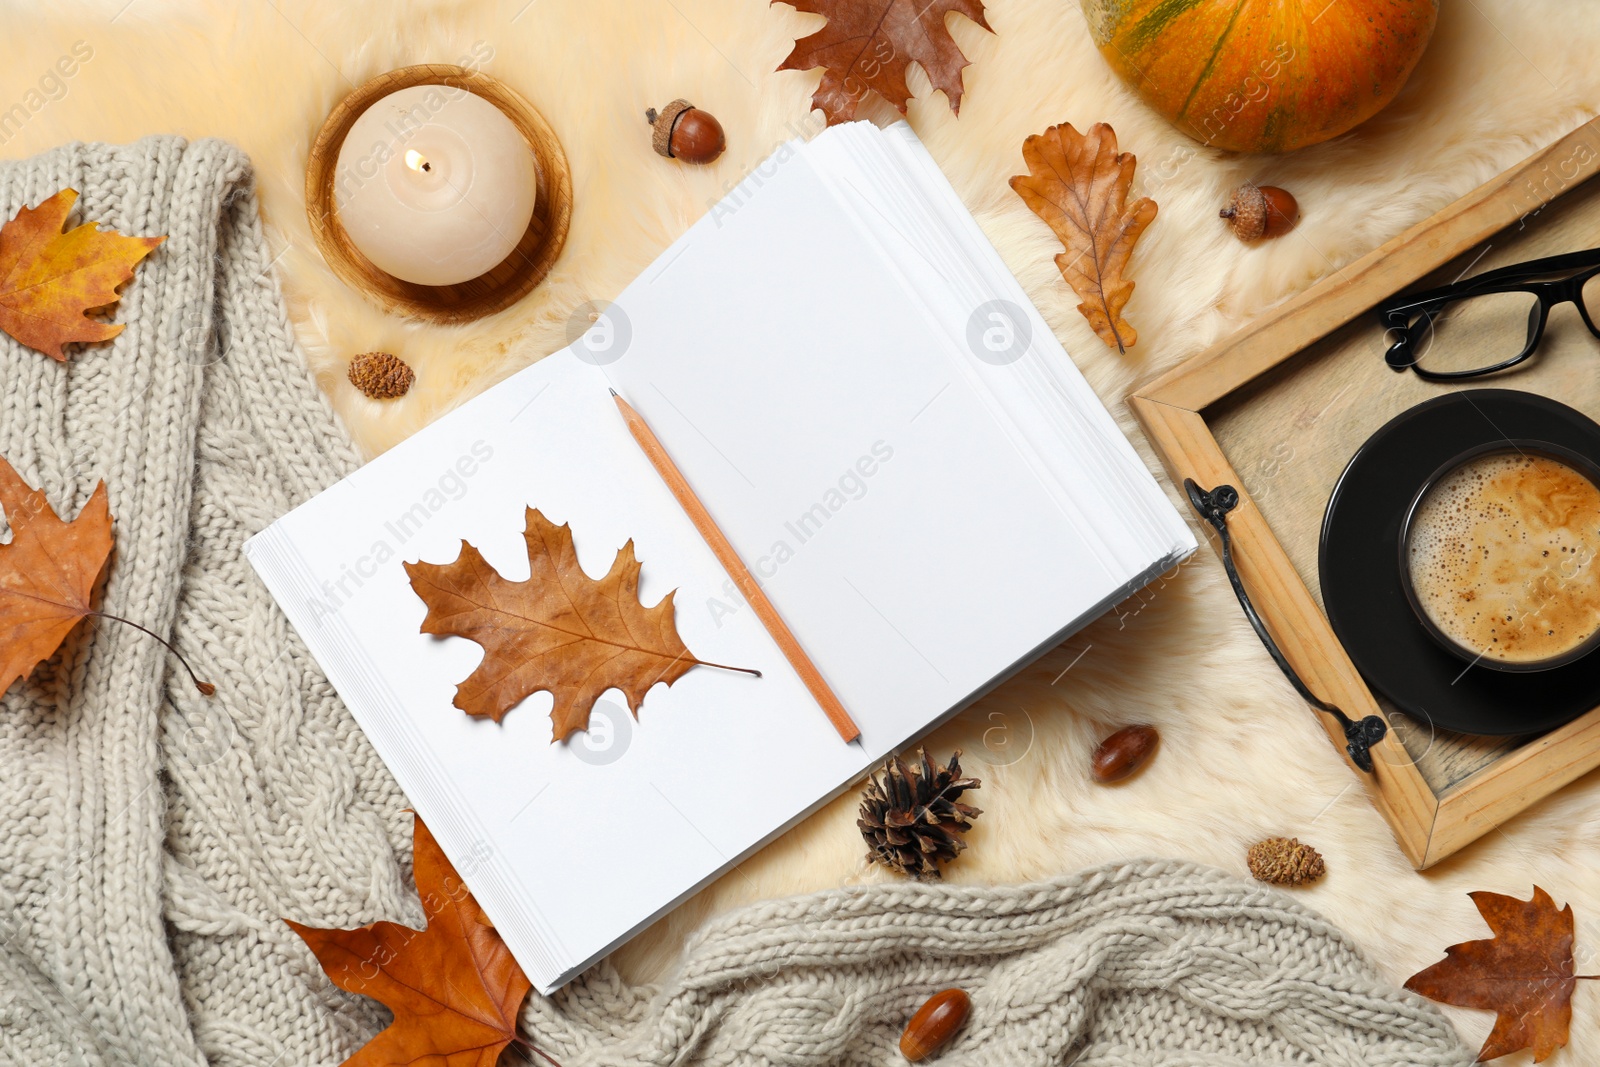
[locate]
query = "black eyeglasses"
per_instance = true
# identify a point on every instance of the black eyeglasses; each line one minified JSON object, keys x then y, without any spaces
{"x":1488,"y":323}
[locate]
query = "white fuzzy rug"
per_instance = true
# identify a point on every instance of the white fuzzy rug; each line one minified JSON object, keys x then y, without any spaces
{"x":1242,"y":757}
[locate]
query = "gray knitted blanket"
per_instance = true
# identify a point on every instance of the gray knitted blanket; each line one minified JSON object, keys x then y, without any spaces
{"x":151,"y":839}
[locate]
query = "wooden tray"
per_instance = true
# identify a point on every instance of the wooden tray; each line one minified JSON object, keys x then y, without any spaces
{"x":1278,"y":409}
{"x":515,"y":276}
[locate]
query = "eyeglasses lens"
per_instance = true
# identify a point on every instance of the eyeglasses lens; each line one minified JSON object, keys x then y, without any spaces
{"x":1476,"y":333}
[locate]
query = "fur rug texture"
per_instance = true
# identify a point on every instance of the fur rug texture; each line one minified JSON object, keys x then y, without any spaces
{"x":1242,"y":756}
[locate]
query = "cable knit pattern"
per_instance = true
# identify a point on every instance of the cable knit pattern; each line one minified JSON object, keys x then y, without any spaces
{"x":1153,"y":963}
{"x":151,"y":839}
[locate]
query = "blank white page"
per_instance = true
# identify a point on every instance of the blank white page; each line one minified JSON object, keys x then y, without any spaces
{"x":890,"y":184}
{"x":830,"y":429}
{"x":548,"y":836}
{"x":920,"y":537}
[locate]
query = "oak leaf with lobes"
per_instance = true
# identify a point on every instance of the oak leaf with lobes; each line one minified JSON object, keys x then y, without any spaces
{"x":560,"y":631}
{"x":867,"y":45}
{"x":47,"y":573}
{"x":454,"y":987}
{"x":1524,"y":974}
{"x":1078,"y":183}
{"x":50,"y":280}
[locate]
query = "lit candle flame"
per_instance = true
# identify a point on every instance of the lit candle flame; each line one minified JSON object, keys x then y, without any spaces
{"x":417,"y":161}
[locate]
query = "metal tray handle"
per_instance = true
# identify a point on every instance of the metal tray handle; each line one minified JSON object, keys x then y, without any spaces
{"x":1213,"y":506}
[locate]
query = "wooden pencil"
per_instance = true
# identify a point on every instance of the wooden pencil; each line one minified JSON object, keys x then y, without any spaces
{"x":736,"y":569}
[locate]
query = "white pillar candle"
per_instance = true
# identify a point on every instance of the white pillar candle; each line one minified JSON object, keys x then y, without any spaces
{"x":435,"y":185}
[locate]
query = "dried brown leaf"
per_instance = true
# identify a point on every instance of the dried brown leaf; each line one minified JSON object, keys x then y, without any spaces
{"x":1078,"y":183}
{"x":867,"y":46}
{"x":1524,"y":974}
{"x":47,"y":572}
{"x":454,"y":987}
{"x":560,"y":631}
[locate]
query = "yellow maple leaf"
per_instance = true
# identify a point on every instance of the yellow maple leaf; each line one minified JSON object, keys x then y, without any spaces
{"x":49,"y":280}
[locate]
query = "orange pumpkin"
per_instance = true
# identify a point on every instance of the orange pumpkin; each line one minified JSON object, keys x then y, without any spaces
{"x":1263,"y":75}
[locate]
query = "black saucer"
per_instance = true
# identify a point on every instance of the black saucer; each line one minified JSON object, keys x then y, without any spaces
{"x":1359,"y":567}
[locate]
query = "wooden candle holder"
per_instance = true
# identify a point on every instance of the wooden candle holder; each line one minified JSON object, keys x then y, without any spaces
{"x":515,"y":276}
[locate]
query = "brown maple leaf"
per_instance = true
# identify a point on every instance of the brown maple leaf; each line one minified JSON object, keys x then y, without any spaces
{"x":47,"y":572}
{"x":454,"y":987}
{"x":1078,"y":183}
{"x":560,"y":631}
{"x":1524,"y":974}
{"x":867,"y":45}
{"x":50,"y":279}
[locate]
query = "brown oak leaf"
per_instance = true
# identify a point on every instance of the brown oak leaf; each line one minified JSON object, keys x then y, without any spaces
{"x":1524,"y":974}
{"x":1078,"y":183}
{"x":867,"y":45}
{"x":454,"y":987}
{"x":560,"y":631}
{"x":49,"y":280}
{"x":47,"y":572}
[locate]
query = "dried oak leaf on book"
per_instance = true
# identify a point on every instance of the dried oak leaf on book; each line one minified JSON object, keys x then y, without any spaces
{"x":868,"y":45}
{"x":454,"y":987}
{"x":560,"y":631}
{"x":1524,"y":974}
{"x":50,"y":280}
{"x":47,"y":573}
{"x":1078,"y":183}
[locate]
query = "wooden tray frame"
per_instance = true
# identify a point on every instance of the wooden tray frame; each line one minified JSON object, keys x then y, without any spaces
{"x":1171,"y":408}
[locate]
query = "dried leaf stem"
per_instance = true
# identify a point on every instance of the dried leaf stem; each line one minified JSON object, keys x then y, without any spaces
{"x":205,"y":688}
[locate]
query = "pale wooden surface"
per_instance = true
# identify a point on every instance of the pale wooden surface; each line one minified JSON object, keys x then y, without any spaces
{"x":1278,"y":409}
{"x":515,"y":276}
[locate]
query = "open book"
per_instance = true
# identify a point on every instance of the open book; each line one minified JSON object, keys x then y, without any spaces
{"x":895,"y":444}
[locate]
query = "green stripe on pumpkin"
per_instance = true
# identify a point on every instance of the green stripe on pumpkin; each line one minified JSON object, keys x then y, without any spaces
{"x":1154,"y":24}
{"x":1211,"y":61}
{"x":1272,"y":130}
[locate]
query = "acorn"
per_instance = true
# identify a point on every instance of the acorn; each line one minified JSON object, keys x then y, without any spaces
{"x":934,"y":1024}
{"x":685,"y":132}
{"x":1257,"y":211}
{"x":1123,"y":752}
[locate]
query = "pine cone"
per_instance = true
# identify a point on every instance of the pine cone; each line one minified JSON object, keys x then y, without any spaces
{"x":381,"y":376}
{"x":912,"y":819}
{"x":1285,"y":861}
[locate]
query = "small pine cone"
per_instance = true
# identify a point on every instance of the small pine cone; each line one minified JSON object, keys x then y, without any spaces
{"x":381,"y":376}
{"x":1285,"y":861}
{"x":912,"y":818}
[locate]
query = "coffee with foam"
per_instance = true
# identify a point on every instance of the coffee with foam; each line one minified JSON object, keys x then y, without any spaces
{"x":1502,"y":553}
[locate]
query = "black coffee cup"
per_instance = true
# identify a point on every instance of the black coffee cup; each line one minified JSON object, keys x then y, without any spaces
{"x":1584,"y":466}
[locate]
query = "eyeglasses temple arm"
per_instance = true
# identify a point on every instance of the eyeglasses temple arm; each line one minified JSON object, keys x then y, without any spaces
{"x":1515,"y":272}
{"x":1213,"y":506}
